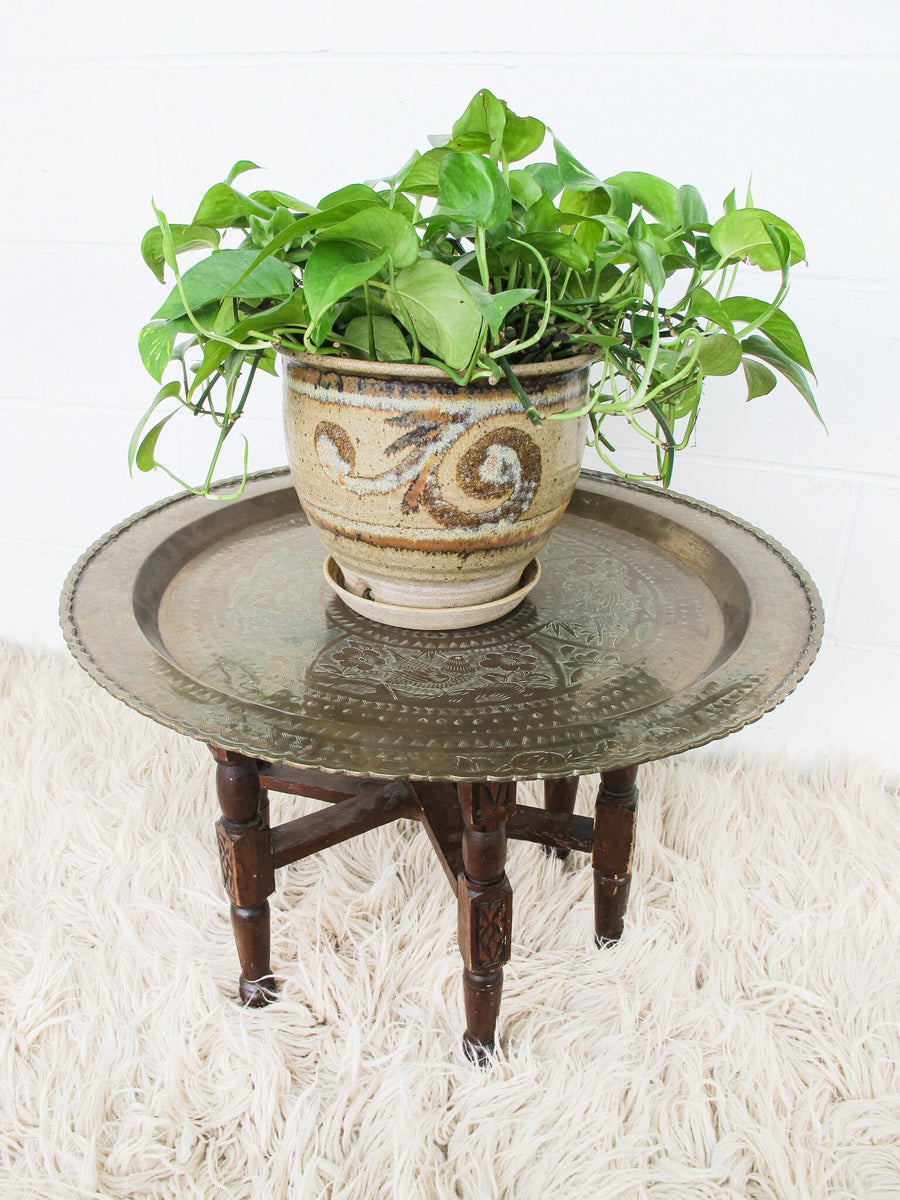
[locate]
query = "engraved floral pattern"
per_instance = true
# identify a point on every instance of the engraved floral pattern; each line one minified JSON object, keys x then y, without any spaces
{"x":567,"y":684}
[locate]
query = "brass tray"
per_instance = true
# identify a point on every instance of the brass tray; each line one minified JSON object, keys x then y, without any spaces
{"x":658,"y":624}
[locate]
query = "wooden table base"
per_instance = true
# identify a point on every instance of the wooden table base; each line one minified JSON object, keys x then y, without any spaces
{"x":468,"y":825}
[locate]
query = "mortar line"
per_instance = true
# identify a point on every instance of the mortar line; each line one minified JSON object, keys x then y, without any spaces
{"x":846,"y":543}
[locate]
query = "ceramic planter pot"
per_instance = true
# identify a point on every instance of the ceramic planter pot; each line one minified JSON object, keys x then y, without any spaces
{"x":427,"y":495}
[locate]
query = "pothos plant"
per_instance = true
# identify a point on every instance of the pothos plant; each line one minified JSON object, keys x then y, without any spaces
{"x":469,"y":263}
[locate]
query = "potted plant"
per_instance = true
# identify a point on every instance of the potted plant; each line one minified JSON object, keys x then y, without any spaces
{"x":453,"y":335}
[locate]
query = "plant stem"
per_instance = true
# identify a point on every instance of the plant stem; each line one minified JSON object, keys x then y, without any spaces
{"x":533,"y":415}
{"x":481,"y":256}
{"x":370,"y":327}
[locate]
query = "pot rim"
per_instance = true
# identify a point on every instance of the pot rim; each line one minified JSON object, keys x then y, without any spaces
{"x":416,"y":371}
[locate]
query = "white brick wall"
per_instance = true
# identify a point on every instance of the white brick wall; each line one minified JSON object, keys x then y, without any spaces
{"x":104,"y":106}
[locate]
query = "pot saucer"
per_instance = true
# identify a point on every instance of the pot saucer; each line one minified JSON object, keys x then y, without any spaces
{"x":402,"y":617}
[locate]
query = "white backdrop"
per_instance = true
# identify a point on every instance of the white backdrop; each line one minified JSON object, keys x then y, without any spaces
{"x":104,"y":106}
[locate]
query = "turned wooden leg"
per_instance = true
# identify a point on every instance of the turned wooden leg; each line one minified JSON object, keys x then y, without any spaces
{"x":248,"y":869}
{"x":559,"y":797}
{"x":614,"y":815}
{"x":485,"y":909}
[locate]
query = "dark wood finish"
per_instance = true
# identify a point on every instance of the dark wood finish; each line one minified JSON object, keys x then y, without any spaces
{"x":486,"y":806}
{"x":377,"y":804}
{"x":251,"y":927}
{"x":308,"y":781}
{"x":614,"y":814}
{"x":485,"y":910}
{"x":247,"y":863}
{"x":552,"y":830}
{"x":441,"y":816}
{"x":559,"y":797}
{"x":248,"y":869}
{"x":468,"y":825}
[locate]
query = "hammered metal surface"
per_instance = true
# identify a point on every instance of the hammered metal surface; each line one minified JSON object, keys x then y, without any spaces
{"x":658,"y":624}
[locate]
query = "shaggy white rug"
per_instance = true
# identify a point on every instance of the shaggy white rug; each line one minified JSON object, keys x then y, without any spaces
{"x":742,"y":1041}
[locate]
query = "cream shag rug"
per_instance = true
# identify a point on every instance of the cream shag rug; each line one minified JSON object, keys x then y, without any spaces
{"x":742,"y":1041}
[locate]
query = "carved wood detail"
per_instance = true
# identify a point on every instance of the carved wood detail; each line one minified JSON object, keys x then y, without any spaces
{"x":485,"y":925}
{"x":485,"y":909}
{"x":487,"y":805}
{"x":614,"y":816}
{"x":248,"y":868}
{"x":248,"y":865}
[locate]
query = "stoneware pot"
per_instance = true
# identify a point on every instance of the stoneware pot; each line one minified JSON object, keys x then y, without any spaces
{"x":427,"y":495}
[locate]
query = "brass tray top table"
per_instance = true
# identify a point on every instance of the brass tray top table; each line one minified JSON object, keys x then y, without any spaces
{"x":658,"y":624}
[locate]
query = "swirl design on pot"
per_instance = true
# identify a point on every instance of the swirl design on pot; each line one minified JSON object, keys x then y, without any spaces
{"x":503,"y":464}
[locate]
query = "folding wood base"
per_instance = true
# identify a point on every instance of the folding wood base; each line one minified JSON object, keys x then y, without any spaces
{"x":468,"y":825}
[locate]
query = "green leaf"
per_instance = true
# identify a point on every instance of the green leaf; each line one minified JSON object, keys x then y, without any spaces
{"x":720,"y":354}
{"x":393,"y":181}
{"x":390,"y":344}
{"x":334,"y":269}
{"x":145,"y":459}
{"x":707,"y":257}
{"x":691,"y":208}
{"x":761,"y":347}
{"x":313,"y":221}
{"x":184,"y":237}
{"x":617,"y":229}
{"x":472,"y":189}
{"x":682,"y":398}
{"x":292,"y":312}
{"x":486,"y":115}
{"x":543,"y":216}
{"x":778,"y":326}
{"x":522,"y":136}
{"x":401,"y":204}
{"x":422,"y":177}
{"x":350,"y":194}
{"x":742,"y":234}
{"x":274,"y":199}
{"x":656,"y":196}
{"x":239,"y":168}
{"x":547,"y":176}
{"x":523,"y":188}
{"x":443,"y":314}
{"x":705,"y":305}
{"x":561,"y":246}
{"x":164,"y":393}
{"x":495,"y":308}
{"x":214,"y":354}
{"x":378,"y":229}
{"x":572,"y":174}
{"x":607,"y":204}
{"x":222,"y":207}
{"x":760,"y":380}
{"x":782,"y":245}
{"x":155,"y":342}
{"x":478,"y":143}
{"x":642,"y":327}
{"x":590,"y":235}
{"x":600,"y":201}
{"x":184,"y":324}
{"x":649,"y":261}
{"x":282,"y":219}
{"x":215,"y":277}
